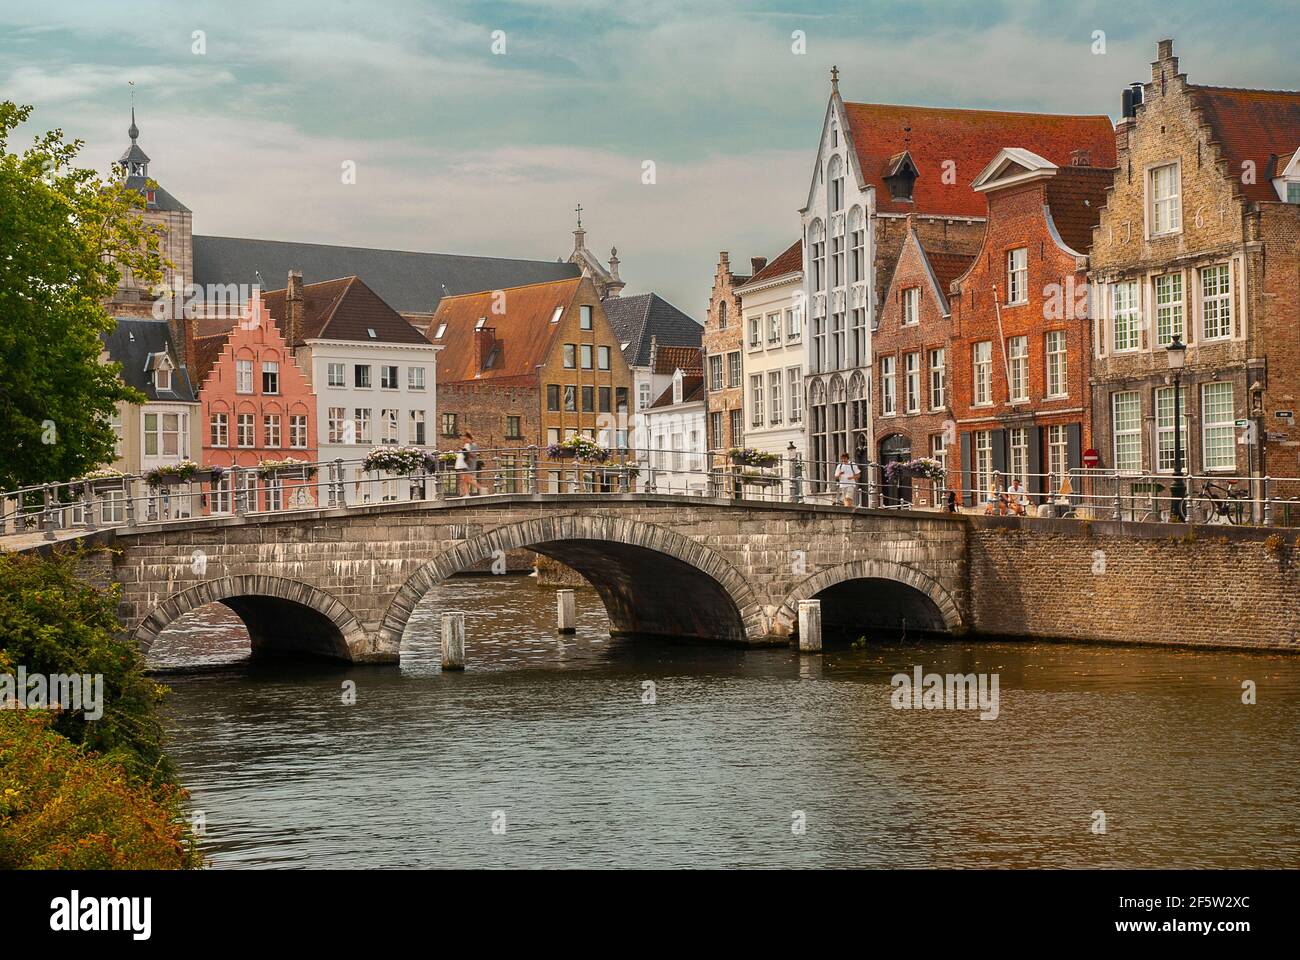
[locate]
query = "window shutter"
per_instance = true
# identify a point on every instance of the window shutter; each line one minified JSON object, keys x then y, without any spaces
{"x":967,"y":479}
{"x":1036,"y":459}
{"x":1000,"y":452}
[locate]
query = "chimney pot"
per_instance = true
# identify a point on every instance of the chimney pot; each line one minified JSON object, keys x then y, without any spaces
{"x":1079,"y":158}
{"x":757,"y":263}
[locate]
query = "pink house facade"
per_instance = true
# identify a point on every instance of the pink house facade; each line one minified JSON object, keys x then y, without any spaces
{"x":256,"y":406}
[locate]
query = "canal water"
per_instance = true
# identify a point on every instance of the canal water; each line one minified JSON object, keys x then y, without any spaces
{"x":592,"y":752}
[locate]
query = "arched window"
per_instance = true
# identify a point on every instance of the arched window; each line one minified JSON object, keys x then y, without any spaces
{"x":817,"y":428}
{"x":858,"y":401}
{"x":857,"y":246}
{"x":837,"y":430}
{"x":817,"y":254}
{"x":835,"y":180}
{"x":722,"y":314}
{"x":838,"y":277}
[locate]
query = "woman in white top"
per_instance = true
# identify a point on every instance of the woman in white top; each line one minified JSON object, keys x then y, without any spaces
{"x":846,"y":475}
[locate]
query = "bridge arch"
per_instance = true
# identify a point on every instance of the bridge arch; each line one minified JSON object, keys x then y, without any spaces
{"x":652,"y":580}
{"x":283,"y":617}
{"x":924,"y":602}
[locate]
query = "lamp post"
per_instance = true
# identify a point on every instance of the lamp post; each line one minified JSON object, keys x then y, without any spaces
{"x":1177,"y":354}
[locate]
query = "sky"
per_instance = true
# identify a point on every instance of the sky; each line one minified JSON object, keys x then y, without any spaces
{"x":477,"y":127}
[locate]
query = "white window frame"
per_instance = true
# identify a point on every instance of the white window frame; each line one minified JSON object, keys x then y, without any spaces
{"x":888,"y":395}
{"x":756,"y":387}
{"x":1221,"y":432}
{"x":1018,"y":369}
{"x":1221,"y":300}
{"x":1017,"y":276}
{"x":1128,"y":456}
{"x":244,"y":376}
{"x":1164,"y":404}
{"x":1168,"y":295}
{"x":982,"y":373}
{"x":776,"y":405}
{"x":938,"y":378}
{"x":1125,"y":316}
{"x":1056,"y":360}
{"x":912,"y":381}
{"x":1164,"y":211}
{"x":911,"y":306}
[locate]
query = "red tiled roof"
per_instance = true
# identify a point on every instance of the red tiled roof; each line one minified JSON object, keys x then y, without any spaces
{"x":1075,"y":197}
{"x":789,"y":260}
{"x":947,"y":267}
{"x":344,"y":309}
{"x":970,"y":139}
{"x":1252,"y":125}
{"x":523,"y":332}
{"x":670,"y":359}
{"x":207,"y":351}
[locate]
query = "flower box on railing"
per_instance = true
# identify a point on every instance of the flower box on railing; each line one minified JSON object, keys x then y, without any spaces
{"x":103,"y":480}
{"x":924,"y":468}
{"x":580,"y":448}
{"x":398,"y":460}
{"x":749,"y":457}
{"x":172,"y":474}
{"x":758,"y":479}
{"x":440,"y":463}
{"x":289,"y":469}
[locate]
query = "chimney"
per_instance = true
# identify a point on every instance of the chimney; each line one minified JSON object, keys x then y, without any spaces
{"x":756,"y":264}
{"x":485,"y":339}
{"x":1079,"y":158}
{"x":293,"y":309}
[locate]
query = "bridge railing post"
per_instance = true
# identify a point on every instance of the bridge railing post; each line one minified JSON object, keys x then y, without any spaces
{"x":1117,"y":510}
{"x":650,"y":480}
{"x":530,"y":470}
{"x":873,"y":485}
{"x":796,"y":479}
{"x":1268,"y":502}
{"x":329,"y":485}
{"x":241,"y":490}
{"x":128,"y":487}
{"x":47,"y":518}
{"x":340,"y":488}
{"x":88,"y":505}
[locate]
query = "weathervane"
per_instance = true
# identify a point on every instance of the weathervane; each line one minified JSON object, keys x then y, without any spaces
{"x":578,"y":211}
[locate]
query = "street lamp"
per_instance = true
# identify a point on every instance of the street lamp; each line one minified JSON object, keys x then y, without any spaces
{"x":1177,"y":353}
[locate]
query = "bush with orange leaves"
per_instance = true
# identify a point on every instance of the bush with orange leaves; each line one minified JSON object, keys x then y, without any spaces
{"x":66,"y":808}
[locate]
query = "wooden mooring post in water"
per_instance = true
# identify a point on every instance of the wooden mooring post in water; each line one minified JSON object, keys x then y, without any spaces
{"x":566,"y":611}
{"x":810,"y":626}
{"x":453,"y":641}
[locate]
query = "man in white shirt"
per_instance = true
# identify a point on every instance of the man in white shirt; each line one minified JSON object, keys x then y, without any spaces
{"x":846,"y":475}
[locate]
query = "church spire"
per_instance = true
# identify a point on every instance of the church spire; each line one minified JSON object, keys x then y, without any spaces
{"x":134,"y":161}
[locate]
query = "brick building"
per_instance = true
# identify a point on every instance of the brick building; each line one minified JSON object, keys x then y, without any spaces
{"x":724,"y":336}
{"x":530,"y":366}
{"x":876,"y":165}
{"x":1018,"y":364}
{"x":255,"y":404}
{"x":912,"y":414}
{"x":1196,"y":241}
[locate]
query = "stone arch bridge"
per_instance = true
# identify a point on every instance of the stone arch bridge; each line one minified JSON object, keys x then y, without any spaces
{"x":342,"y":582}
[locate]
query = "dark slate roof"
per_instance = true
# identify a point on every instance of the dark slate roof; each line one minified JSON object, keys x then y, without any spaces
{"x":160,"y":200}
{"x":408,"y":282}
{"x":132,"y":343}
{"x":637,"y":319}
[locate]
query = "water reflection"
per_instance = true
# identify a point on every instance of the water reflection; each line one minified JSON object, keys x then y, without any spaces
{"x":554,"y":732}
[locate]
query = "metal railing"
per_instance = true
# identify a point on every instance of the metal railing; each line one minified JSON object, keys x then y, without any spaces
{"x":128,"y":501}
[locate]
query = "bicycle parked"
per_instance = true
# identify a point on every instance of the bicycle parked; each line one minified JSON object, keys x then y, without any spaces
{"x":1221,"y":503}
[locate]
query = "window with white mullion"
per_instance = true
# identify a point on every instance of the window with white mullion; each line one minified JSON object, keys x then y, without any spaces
{"x":1126,"y":420}
{"x":1216,"y":302}
{"x":1125,"y":310}
{"x":1165,"y":428}
{"x":1166,"y":202}
{"x":1169,"y":309}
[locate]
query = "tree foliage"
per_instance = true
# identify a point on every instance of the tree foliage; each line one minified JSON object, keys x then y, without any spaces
{"x":65,"y":232}
{"x":54,"y":622}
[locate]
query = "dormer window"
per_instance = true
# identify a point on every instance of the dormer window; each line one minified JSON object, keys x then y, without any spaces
{"x":900,"y":176}
{"x":1293,"y":191}
{"x":162,"y":379}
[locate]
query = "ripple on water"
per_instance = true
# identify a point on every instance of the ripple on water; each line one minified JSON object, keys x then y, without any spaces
{"x":738,"y":743}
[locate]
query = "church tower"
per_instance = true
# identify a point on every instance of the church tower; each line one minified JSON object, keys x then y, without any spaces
{"x":607,"y":281}
{"x":174,"y":221}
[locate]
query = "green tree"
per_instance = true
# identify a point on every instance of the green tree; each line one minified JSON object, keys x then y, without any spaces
{"x":64,"y":233}
{"x":52,"y":621}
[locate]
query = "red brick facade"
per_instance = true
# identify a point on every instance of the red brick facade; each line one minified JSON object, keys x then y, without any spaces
{"x":912,"y":412}
{"x":1019,"y":320}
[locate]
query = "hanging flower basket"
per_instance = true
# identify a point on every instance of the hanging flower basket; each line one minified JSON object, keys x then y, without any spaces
{"x":580,"y":448}
{"x":172,"y":474}
{"x":400,"y":460}
{"x":439,"y":462}
{"x":749,"y":457}
{"x":925,"y":468}
{"x":289,"y":469}
{"x":754,"y":478}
